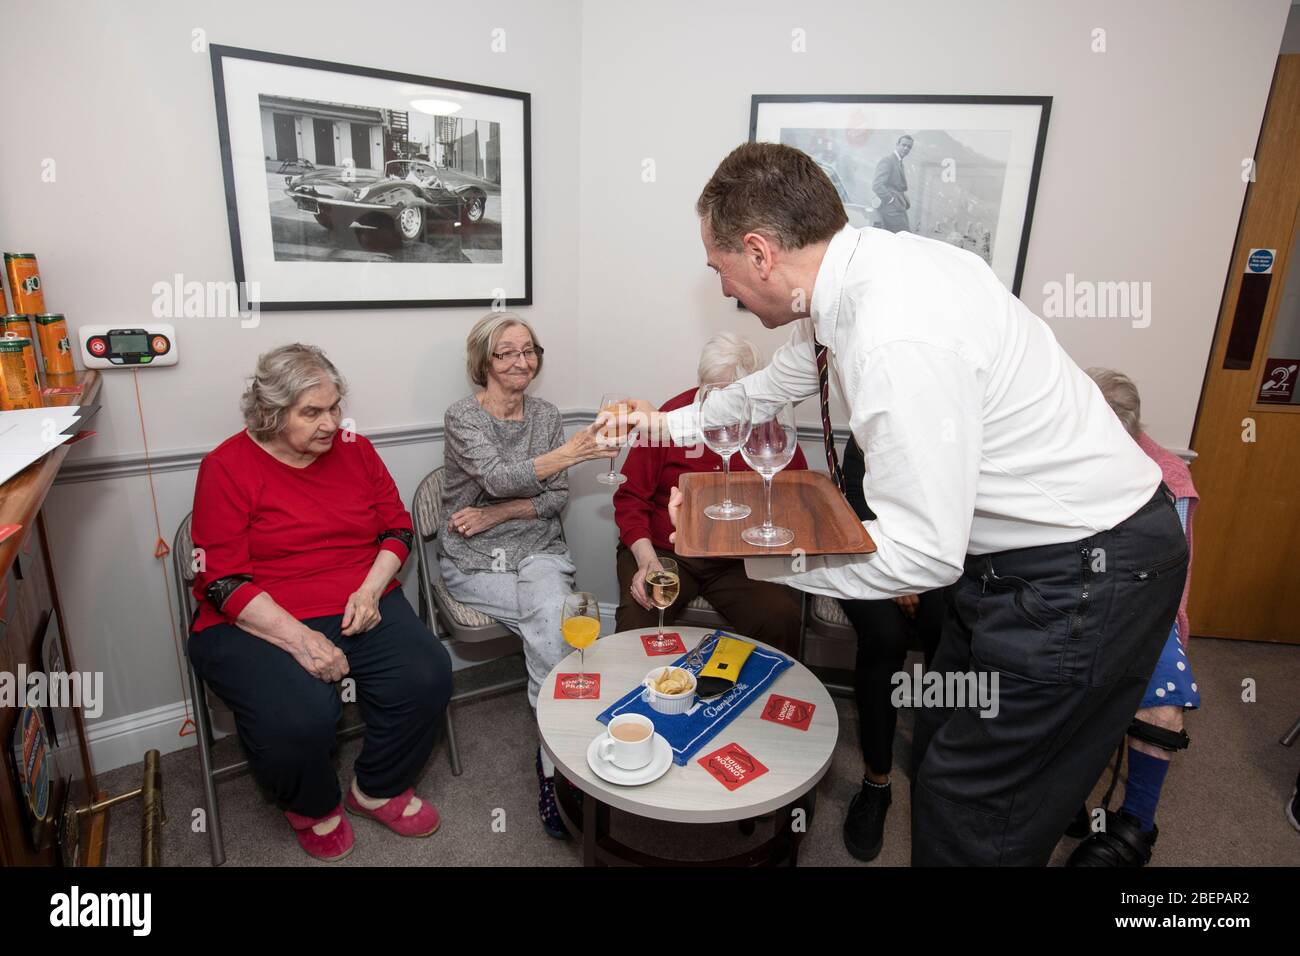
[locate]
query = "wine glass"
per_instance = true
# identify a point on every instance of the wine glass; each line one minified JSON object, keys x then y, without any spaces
{"x":621,"y":406}
{"x":724,"y":424}
{"x":768,"y":448}
{"x":580,"y":625}
{"x":662,"y":585}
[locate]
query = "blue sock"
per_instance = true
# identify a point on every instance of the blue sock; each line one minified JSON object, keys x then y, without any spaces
{"x":1146,"y":775}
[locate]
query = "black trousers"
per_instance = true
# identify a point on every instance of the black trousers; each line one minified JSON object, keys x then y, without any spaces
{"x":885,"y":634}
{"x":287,"y":719}
{"x":1072,"y":632}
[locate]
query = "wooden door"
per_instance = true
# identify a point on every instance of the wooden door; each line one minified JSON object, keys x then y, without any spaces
{"x":1246,"y":565}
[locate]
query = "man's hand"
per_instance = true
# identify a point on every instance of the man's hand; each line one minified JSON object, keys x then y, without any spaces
{"x":908,"y":604}
{"x":674,"y":510}
{"x":361,"y":613}
{"x":320,"y":657}
{"x":638,"y":582}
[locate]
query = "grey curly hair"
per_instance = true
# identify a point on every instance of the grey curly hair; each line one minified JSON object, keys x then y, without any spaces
{"x":282,"y":375}
{"x":1121,"y":395}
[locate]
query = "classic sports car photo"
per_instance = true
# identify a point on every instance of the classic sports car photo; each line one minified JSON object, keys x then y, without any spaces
{"x":354,"y":183}
{"x":410,"y":199}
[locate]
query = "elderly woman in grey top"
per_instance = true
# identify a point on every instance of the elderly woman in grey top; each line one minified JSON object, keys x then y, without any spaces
{"x":506,"y":484}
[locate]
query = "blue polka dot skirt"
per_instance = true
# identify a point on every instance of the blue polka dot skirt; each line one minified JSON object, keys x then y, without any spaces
{"x":1172,"y":684}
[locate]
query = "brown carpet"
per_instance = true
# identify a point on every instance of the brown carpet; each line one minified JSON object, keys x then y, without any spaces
{"x":1222,"y":803}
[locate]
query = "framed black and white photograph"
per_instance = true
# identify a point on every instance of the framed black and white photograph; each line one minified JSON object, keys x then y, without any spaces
{"x":350,"y":187}
{"x":961,"y":169}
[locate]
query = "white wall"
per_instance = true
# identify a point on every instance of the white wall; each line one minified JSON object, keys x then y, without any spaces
{"x":1140,"y":182}
{"x":1141,"y":178}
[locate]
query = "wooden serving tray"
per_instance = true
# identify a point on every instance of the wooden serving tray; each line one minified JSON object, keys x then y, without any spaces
{"x":806,"y":502}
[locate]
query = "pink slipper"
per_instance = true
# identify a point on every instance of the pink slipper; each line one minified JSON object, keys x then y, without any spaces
{"x":419,"y":824}
{"x":334,"y":845}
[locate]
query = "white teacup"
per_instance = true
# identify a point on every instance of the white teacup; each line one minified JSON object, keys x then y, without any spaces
{"x":629,"y":742}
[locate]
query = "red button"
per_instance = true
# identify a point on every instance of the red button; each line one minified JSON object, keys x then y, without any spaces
{"x":98,"y":346}
{"x":160,"y":345}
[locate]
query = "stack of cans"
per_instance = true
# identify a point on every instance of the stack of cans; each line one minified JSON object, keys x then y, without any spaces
{"x":21,"y":331}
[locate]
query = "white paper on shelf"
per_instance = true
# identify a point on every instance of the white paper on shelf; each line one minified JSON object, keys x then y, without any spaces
{"x":29,"y":433}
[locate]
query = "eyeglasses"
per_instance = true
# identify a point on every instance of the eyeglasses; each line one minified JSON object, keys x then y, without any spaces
{"x":529,"y":354}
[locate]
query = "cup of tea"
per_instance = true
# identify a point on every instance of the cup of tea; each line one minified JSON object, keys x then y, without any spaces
{"x":629,"y":742}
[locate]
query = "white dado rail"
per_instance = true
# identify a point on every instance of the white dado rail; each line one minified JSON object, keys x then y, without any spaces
{"x":186,"y":459}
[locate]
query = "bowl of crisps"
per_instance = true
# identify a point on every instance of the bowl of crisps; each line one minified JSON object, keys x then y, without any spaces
{"x":669,"y":690}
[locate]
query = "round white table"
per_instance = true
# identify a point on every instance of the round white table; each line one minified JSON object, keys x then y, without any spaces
{"x":796,"y":760}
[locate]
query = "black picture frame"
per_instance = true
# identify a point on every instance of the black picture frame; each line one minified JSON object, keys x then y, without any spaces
{"x":521,"y":295}
{"x":1042,"y":103}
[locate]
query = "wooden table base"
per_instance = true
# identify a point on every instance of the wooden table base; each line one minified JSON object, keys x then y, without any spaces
{"x":601,"y":849}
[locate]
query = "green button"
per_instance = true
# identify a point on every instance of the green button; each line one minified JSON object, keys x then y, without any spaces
{"x":146,"y":359}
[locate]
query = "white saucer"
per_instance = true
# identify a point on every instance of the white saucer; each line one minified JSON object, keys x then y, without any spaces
{"x":656,"y":768}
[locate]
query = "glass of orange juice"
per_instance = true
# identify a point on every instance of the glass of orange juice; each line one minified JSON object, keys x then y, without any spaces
{"x":580,"y":625}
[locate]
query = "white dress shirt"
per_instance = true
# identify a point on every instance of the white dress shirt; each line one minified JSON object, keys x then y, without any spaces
{"x":980,"y":434}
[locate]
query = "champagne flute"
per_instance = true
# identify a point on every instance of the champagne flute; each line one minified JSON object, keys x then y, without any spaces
{"x":620,"y":405}
{"x":724,"y":424}
{"x":580,"y":625}
{"x":662,"y":585}
{"x":769,"y":448}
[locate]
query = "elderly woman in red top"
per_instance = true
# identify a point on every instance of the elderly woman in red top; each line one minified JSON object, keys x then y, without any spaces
{"x":299,"y":532}
{"x":759,"y":609}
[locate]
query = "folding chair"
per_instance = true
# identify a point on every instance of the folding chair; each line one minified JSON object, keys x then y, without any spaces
{"x":440,"y":610}
{"x":203,"y":701}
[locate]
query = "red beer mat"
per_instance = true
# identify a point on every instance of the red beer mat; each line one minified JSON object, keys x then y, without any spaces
{"x":671,"y":643}
{"x":732,"y":766}
{"x":789,"y":711}
{"x":570,"y":686}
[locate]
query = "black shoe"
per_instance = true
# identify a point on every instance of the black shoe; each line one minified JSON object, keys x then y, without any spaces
{"x":864,"y":827}
{"x":1293,"y":809}
{"x":547,"y":808}
{"x":1122,"y":844}
{"x":1081,"y":826}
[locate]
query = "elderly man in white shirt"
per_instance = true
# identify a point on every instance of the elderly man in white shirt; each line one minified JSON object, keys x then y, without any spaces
{"x":992,"y":461}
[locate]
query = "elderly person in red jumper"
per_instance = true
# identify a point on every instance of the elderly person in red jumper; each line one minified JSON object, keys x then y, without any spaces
{"x":300,"y":532}
{"x":759,"y":609}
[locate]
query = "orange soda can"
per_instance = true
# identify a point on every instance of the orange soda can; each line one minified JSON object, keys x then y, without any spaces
{"x":25,"y":282}
{"x":19,"y":386}
{"x":56,"y":349}
{"x":14,"y":324}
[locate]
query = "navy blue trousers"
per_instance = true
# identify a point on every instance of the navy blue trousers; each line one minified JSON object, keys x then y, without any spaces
{"x":1073,"y":632}
{"x":288,"y":720}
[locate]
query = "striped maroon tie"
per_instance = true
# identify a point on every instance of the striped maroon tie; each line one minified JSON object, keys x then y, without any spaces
{"x":828,"y":438}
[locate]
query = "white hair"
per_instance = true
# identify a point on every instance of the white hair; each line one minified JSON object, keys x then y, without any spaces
{"x":725,"y":358}
{"x":1121,"y":395}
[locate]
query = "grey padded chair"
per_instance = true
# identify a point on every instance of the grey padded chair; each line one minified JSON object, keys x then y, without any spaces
{"x":203,"y":701}
{"x":442,"y":613}
{"x":829,"y":639}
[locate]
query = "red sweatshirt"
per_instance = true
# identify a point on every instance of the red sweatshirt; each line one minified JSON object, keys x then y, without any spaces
{"x":641,"y":502}
{"x":306,"y":536}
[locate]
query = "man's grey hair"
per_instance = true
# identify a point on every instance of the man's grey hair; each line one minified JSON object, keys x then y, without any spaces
{"x":1122,"y":397}
{"x":727,"y":357}
{"x":282,"y":376}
